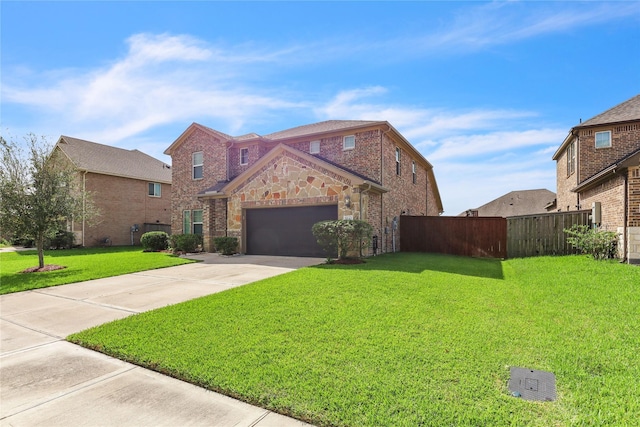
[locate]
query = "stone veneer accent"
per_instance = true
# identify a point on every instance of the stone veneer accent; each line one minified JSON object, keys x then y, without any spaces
{"x":633,"y":249}
{"x":289,"y":180}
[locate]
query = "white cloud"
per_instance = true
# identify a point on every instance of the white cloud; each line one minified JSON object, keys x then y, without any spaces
{"x":498,"y":23}
{"x":162,"y":79}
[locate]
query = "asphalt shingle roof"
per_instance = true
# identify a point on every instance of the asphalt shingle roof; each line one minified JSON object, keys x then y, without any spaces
{"x":108,"y":160}
{"x":320,"y":127}
{"x":626,"y":111}
{"x":514,"y":203}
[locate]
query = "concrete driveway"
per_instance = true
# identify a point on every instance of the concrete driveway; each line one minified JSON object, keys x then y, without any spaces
{"x":45,"y":380}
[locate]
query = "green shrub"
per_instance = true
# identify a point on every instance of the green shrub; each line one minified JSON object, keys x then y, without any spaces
{"x":344,"y":237}
{"x":226,"y":245}
{"x":62,"y":240}
{"x":185,"y":242}
{"x":155,"y":241}
{"x":588,"y":240}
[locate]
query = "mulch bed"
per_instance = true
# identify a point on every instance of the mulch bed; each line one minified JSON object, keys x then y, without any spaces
{"x":47,"y":267}
{"x":347,"y":261}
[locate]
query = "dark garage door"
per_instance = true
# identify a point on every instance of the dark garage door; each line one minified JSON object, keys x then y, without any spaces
{"x":285,"y":231}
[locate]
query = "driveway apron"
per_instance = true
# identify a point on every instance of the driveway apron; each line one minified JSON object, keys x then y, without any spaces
{"x":47,"y":381}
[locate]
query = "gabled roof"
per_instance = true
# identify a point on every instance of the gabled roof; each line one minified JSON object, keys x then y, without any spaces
{"x":107,"y":160}
{"x":514,"y":203}
{"x":626,"y":111}
{"x":192,"y":128}
{"x":223,"y":189}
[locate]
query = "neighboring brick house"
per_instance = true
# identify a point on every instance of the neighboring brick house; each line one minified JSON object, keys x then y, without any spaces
{"x":514,"y":203}
{"x":269,"y":190}
{"x":598,"y":164}
{"x":127,"y":186}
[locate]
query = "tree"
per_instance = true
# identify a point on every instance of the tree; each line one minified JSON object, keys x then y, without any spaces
{"x":38,"y":193}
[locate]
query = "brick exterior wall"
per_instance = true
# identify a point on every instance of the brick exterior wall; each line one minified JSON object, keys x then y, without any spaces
{"x":184,"y":193}
{"x":624,"y":140}
{"x":566,"y":200}
{"x":122,"y":203}
{"x":610,"y":194}
{"x":284,"y":182}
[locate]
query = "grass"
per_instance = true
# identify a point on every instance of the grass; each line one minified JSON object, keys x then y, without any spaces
{"x":407,"y":340}
{"x":81,"y":264}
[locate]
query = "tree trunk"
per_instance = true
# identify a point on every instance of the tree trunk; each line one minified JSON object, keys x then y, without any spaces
{"x":40,"y":247}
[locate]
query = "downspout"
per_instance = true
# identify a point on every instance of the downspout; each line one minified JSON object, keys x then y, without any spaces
{"x":625,"y":220}
{"x":84,"y":205}
{"x":362,"y":193}
{"x":226,"y":200}
{"x":382,"y":218}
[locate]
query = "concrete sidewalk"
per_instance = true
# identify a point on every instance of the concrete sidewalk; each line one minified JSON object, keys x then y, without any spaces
{"x":45,"y":380}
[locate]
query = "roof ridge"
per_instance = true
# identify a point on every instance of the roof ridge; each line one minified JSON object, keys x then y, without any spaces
{"x":624,"y":111}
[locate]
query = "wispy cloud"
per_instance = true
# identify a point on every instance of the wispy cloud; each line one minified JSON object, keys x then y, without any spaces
{"x":500,"y":22}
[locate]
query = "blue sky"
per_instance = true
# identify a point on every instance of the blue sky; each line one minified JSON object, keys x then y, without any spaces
{"x":486,"y":91}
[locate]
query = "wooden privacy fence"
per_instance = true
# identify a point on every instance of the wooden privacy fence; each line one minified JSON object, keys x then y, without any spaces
{"x":494,"y":237}
{"x":467,"y":236}
{"x":543,"y":234}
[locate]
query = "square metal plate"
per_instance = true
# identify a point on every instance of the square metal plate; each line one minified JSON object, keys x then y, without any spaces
{"x":531,"y":384}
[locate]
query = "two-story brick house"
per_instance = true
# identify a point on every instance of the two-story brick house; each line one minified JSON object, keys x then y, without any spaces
{"x":127,"y":187}
{"x":598,"y":165}
{"x":269,"y":190}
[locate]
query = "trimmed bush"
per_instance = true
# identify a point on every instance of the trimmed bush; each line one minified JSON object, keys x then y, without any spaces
{"x":226,"y":245}
{"x":185,"y":242}
{"x":346,"y":236}
{"x":154,"y":241}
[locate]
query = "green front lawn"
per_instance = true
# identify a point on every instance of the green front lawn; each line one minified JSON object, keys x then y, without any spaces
{"x":407,"y":340}
{"x":81,"y":265}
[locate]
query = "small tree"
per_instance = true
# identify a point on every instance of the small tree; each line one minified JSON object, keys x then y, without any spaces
{"x":38,"y":193}
{"x":342,"y":236}
{"x":588,"y":240}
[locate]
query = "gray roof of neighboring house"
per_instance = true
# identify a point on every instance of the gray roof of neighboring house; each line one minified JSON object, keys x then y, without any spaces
{"x":321,"y":127}
{"x":523,"y":202}
{"x":105,"y":159}
{"x":624,"y":112}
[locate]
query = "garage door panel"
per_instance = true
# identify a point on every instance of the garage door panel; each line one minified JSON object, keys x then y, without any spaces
{"x":285,"y":231}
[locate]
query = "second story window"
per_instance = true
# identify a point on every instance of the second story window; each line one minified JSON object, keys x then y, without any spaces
{"x":197,"y":162}
{"x":413,"y":171}
{"x":571,"y":158}
{"x":244,"y":156}
{"x":397,"y":161}
{"x":349,"y":142}
{"x":603,"y":139}
{"x":154,"y":189}
{"x":314,"y":147}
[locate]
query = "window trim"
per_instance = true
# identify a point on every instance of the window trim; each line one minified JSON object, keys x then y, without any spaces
{"x":344,"y":142}
{"x":595,"y":139}
{"x":414,"y":172}
{"x":571,"y":158}
{"x":186,"y":218}
{"x":194,"y":222}
{"x":398,"y":157}
{"x":316,"y":143}
{"x":246,"y":158}
{"x":156,"y":185}
{"x":195,"y":165}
